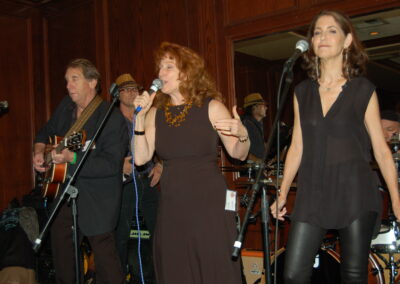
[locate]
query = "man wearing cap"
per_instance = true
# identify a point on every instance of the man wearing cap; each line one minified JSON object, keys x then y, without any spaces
{"x":390,"y":121}
{"x":146,"y":178}
{"x":255,"y":110}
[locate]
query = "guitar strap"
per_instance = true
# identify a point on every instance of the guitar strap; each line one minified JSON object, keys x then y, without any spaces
{"x":85,"y":115}
{"x":58,"y":175}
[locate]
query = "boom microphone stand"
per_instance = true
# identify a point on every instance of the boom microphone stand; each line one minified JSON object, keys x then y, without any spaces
{"x":73,"y":192}
{"x":301,"y":46}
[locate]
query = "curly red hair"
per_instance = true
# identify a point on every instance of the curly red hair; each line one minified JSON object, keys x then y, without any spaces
{"x":196,"y":83}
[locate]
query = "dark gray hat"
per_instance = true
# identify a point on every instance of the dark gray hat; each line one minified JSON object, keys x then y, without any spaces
{"x":390,"y":115}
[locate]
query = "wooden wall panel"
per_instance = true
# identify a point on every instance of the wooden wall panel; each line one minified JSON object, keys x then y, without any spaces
{"x":203,"y":33}
{"x":126,"y":53}
{"x":138,"y":27}
{"x":301,"y":14}
{"x":238,"y":10}
{"x":70,"y":34}
{"x":16,"y":125}
{"x":40,"y":105}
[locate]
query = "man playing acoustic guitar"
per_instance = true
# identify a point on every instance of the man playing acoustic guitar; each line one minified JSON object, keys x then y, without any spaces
{"x":98,"y":181}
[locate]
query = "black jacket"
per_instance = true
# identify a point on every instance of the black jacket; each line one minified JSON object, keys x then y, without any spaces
{"x":99,"y":180}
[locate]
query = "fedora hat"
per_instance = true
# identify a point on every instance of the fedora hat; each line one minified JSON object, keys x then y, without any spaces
{"x":126,"y":80}
{"x":390,"y":115}
{"x":252,"y":99}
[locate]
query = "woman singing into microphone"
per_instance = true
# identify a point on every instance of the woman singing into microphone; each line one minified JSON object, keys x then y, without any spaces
{"x":195,"y":225}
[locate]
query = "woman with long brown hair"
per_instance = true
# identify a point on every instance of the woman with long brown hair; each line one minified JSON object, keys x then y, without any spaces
{"x":196,"y":220}
{"x":336,"y":122}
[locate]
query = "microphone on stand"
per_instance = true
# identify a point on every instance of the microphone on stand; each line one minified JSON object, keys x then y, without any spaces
{"x":155,"y":86}
{"x":3,"y":107}
{"x":301,"y":46}
{"x":114,"y":92}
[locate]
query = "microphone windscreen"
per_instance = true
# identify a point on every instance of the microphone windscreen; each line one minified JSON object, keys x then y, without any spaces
{"x":302,"y":45}
{"x":156,"y":85}
{"x":113,"y":89}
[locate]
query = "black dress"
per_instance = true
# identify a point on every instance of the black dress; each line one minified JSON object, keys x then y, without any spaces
{"x":194,"y":233}
{"x":335,"y":181}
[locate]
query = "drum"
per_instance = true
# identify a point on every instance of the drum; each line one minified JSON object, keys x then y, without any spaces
{"x":387,"y":240}
{"x":386,"y":268}
{"x":326,"y":268}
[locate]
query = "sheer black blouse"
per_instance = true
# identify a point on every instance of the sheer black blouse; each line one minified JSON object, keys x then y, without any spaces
{"x":335,"y":181}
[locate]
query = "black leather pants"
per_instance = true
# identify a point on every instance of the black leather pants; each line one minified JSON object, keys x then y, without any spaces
{"x":305,"y":240}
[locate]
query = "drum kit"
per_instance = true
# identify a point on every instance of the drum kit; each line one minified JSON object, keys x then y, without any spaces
{"x":394,"y":144}
{"x":384,"y":259}
{"x":386,"y":246}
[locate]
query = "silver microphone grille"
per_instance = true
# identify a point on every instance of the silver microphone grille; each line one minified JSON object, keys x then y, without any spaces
{"x":157,"y":83}
{"x":302,"y":45}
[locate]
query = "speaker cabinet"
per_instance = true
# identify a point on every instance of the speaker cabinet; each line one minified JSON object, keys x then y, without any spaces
{"x":253,"y":266}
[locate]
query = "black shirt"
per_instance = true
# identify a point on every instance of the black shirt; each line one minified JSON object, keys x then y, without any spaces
{"x":99,"y":181}
{"x":335,"y":181}
{"x":255,"y":129}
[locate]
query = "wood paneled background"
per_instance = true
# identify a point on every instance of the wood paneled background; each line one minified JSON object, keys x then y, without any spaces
{"x":38,"y":39}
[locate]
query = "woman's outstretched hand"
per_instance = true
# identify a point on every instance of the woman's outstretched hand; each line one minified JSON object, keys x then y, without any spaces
{"x":232,"y":126}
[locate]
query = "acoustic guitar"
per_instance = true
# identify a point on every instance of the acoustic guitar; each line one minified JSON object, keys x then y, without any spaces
{"x":55,"y":174}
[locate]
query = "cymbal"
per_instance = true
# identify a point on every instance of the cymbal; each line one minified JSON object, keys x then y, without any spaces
{"x":271,"y":181}
{"x":240,"y":168}
{"x":246,"y":167}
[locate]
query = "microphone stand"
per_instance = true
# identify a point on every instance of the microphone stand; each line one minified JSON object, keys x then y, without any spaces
{"x":73,"y":192}
{"x":287,"y":70}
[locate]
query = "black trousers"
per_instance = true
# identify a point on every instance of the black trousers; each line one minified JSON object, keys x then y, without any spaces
{"x":107,"y":262}
{"x":148,"y":202}
{"x":305,"y":240}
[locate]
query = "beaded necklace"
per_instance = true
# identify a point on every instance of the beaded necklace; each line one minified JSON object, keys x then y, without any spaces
{"x":179,"y":118}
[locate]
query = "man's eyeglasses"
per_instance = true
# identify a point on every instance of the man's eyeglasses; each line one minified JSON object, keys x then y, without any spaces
{"x":129,"y":89}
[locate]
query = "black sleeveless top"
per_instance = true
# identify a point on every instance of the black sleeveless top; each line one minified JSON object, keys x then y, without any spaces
{"x":335,"y":181}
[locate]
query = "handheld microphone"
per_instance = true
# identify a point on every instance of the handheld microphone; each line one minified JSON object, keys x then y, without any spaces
{"x":155,"y":86}
{"x":301,"y":46}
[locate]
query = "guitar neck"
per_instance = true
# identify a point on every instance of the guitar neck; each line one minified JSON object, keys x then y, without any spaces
{"x":61,"y":146}
{"x":47,"y":156}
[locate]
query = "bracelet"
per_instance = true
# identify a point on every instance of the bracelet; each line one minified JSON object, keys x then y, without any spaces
{"x":139,"y":132}
{"x":243,"y":140}
{"x":73,"y":162}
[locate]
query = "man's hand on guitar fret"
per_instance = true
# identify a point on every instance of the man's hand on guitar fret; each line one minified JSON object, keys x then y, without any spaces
{"x":65,"y":156}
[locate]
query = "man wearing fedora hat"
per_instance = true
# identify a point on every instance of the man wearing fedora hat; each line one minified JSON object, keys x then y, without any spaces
{"x":146,"y":178}
{"x":255,"y":110}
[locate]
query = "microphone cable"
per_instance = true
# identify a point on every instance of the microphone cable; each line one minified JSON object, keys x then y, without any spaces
{"x":136,"y":202}
{"x":277,"y":186}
